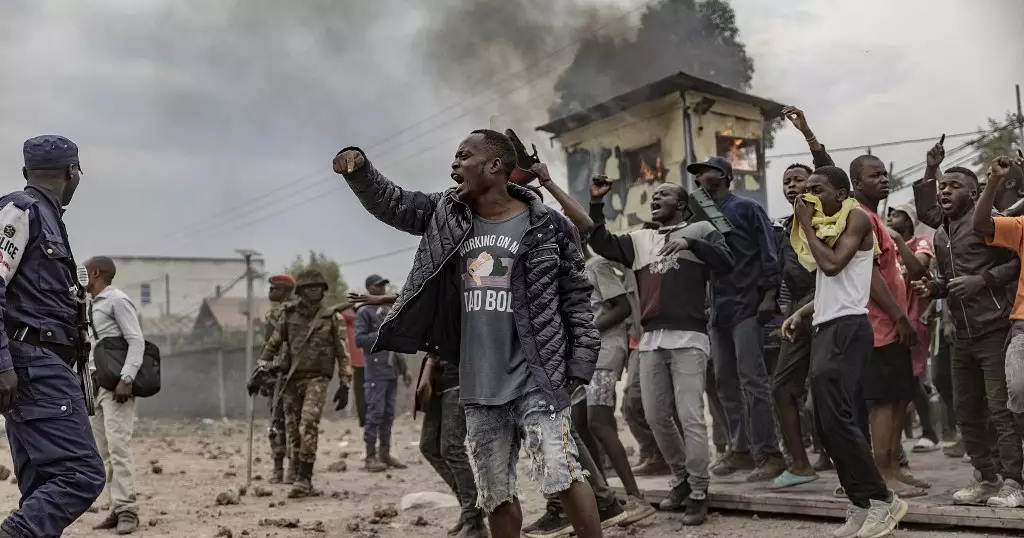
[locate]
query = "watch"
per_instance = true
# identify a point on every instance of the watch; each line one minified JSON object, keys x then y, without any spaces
{"x":127,"y":378}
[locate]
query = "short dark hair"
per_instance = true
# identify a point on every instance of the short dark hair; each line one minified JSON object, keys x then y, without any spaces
{"x":501,"y":146}
{"x":835,"y":176}
{"x":857,"y":165}
{"x":798,"y":165}
{"x":105,"y":266}
{"x":681,"y":192}
{"x":964,"y":171}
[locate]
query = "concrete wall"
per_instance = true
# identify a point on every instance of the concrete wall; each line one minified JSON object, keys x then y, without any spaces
{"x":210,"y":383}
{"x":599,"y":148}
{"x":191,"y":280}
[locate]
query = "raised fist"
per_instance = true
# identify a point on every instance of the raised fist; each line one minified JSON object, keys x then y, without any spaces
{"x":935,"y":155}
{"x":599,"y":187}
{"x":1000,"y":168}
{"x":796,"y":117}
{"x":348,"y":161}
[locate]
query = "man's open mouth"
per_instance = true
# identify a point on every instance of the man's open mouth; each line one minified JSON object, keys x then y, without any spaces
{"x":946,"y":203}
{"x":457,"y":178}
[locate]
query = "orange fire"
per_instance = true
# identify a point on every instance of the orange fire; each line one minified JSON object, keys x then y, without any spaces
{"x":648,"y":173}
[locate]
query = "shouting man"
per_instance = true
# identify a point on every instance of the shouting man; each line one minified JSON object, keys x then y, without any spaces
{"x":499,"y":282}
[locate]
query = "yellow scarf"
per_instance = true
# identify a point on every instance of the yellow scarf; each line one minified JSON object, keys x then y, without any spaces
{"x":827,"y":228}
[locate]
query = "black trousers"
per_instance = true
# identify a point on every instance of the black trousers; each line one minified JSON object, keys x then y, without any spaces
{"x":979,"y":393}
{"x":840,"y":348}
{"x":360,"y":393}
{"x":443,"y":444}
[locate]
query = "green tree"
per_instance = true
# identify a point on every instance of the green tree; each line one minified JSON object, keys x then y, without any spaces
{"x":998,"y":144}
{"x":697,"y":37}
{"x":327,"y":267}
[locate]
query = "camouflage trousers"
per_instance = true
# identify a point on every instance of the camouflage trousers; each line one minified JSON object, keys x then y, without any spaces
{"x":276,"y":432}
{"x":303,"y":406}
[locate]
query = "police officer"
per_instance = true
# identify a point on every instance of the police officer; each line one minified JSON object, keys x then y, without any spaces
{"x":59,"y":471}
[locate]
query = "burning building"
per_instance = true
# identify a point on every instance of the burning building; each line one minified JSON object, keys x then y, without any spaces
{"x":647,"y":136}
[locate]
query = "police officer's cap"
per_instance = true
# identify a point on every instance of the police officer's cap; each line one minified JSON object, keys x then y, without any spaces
{"x":50,"y":152}
{"x":311,"y":277}
{"x":282,"y":281}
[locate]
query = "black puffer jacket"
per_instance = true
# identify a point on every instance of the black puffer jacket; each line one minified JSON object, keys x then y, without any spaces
{"x":550,"y":291}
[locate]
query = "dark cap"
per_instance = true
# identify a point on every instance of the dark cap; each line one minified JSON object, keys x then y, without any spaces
{"x":714,"y":163}
{"x":374,"y":280}
{"x":50,"y":151}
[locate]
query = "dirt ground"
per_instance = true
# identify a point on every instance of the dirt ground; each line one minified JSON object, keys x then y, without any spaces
{"x":184,"y":466}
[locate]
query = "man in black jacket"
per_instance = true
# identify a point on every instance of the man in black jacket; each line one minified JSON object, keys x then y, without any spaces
{"x":497,"y":281}
{"x":975,"y":279}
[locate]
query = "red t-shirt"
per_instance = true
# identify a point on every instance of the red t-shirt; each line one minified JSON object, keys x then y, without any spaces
{"x":891,"y":267}
{"x":355,"y":354}
{"x":916,"y":310}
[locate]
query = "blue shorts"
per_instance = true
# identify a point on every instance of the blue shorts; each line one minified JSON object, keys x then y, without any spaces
{"x":494,"y":435}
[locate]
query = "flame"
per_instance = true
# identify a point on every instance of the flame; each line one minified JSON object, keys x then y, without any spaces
{"x":648,"y":173}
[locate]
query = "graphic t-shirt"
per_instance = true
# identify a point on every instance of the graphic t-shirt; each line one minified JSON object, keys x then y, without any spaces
{"x":492,"y":368}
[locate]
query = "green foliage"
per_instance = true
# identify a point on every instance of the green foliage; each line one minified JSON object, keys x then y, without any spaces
{"x":327,"y":267}
{"x":998,"y":144}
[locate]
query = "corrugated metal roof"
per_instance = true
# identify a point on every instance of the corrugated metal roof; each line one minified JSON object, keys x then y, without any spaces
{"x":671,"y":84}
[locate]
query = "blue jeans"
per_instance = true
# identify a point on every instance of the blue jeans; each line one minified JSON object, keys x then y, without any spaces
{"x":744,"y":388}
{"x":495,"y":434}
{"x":59,"y":470}
{"x":380,"y":411}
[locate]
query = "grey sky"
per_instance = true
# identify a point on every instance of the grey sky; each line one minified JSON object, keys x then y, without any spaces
{"x":186,"y":109}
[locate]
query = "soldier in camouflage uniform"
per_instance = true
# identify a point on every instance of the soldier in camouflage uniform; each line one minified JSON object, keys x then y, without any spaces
{"x":315,"y":340}
{"x":281,"y":287}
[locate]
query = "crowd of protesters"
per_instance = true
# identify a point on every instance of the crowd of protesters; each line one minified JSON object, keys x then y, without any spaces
{"x":530,"y":318}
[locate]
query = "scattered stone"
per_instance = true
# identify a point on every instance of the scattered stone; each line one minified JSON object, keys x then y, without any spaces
{"x":225,"y":498}
{"x":258,"y":459}
{"x":223,"y":532}
{"x":428,"y":499}
{"x":316,"y":526}
{"x":5,"y":473}
{"x":353,"y":526}
{"x":13,"y":480}
{"x":284,"y":523}
{"x":260,"y":491}
{"x":343,"y":494}
{"x":337,"y":467}
{"x":257,"y":477}
{"x":163,"y":512}
{"x":156,"y":468}
{"x":756,"y":517}
{"x":230,"y":474}
{"x":154,"y":461}
{"x":242,"y":491}
{"x":93,"y":509}
{"x":420,"y":521}
{"x":153,"y":522}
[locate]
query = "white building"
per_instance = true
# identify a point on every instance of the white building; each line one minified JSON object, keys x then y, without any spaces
{"x":162,"y":286}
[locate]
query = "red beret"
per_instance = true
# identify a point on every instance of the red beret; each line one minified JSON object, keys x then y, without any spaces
{"x":284,"y":281}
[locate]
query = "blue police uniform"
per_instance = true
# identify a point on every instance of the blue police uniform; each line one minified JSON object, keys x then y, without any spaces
{"x":59,"y":471}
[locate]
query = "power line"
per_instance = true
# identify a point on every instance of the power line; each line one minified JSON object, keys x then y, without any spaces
{"x":878,"y":145}
{"x":549,"y":56}
{"x":378,"y":256}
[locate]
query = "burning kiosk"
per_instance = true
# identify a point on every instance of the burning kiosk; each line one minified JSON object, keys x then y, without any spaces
{"x":647,"y":136}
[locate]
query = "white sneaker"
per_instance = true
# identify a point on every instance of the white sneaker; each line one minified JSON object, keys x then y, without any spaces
{"x":925,"y":444}
{"x":855,"y":517}
{"x":1010,"y":496}
{"x":977,"y":493}
{"x":883,"y":517}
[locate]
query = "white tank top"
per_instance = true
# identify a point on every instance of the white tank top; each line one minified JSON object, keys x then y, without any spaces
{"x":845,"y":294}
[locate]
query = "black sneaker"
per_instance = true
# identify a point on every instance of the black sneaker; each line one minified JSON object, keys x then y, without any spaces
{"x":612,"y":514}
{"x":677,"y":497}
{"x":550,"y":525}
{"x":696,"y":510}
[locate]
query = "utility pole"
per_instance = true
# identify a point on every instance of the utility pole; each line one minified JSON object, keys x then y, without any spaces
{"x":250,"y":275}
{"x":167,"y":293}
{"x":1020,"y":122}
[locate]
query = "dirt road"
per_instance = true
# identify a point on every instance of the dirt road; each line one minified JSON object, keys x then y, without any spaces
{"x":185,"y":466}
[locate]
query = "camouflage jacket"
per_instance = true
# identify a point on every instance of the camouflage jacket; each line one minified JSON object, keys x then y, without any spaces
{"x":314,"y":341}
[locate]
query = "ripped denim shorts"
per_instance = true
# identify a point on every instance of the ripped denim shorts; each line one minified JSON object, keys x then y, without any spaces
{"x":494,"y":435}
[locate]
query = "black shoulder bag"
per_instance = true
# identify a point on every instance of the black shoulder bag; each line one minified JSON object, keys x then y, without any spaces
{"x":109,"y":355}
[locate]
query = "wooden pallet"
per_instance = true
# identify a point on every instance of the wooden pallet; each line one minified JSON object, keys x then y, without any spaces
{"x":816,"y":499}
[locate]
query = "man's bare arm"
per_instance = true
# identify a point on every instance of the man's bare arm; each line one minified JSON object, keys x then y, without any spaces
{"x":832,"y":260}
{"x":983,"y":223}
{"x":573,"y":210}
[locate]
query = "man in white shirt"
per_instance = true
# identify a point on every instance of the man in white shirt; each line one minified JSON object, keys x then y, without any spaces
{"x":114,"y":315}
